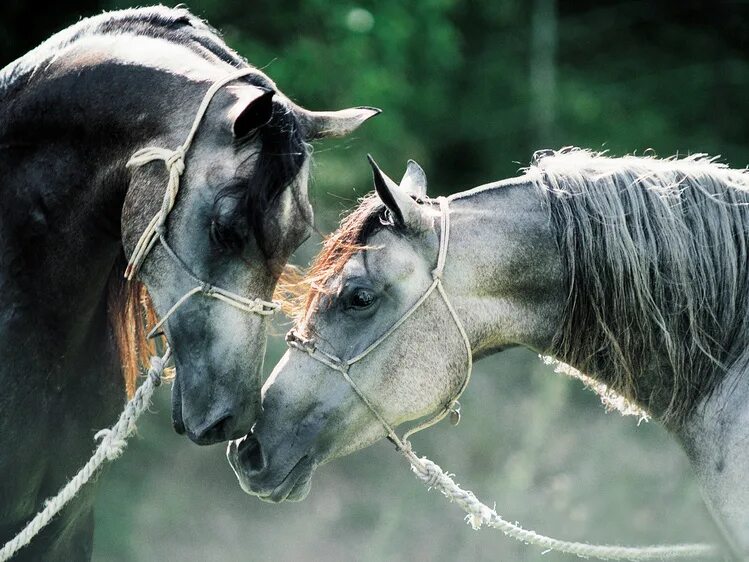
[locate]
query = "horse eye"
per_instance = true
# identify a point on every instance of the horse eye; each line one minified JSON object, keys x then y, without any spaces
{"x":361,"y":299}
{"x":225,"y":237}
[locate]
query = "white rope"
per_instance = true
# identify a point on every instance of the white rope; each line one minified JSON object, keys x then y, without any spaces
{"x":112,"y":441}
{"x":256,"y":306}
{"x":479,"y":514}
{"x":174,"y":160}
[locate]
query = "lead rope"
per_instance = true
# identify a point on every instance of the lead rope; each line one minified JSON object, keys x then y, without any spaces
{"x":112,"y":442}
{"x":478,"y":513}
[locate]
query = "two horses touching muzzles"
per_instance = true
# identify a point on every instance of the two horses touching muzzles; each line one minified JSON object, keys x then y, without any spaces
{"x":161,"y":154}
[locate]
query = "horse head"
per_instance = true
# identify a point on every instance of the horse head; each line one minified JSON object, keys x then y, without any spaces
{"x":221,"y":221}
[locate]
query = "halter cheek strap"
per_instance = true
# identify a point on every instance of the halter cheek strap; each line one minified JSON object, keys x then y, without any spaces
{"x":344,"y":366}
{"x":174,"y":160}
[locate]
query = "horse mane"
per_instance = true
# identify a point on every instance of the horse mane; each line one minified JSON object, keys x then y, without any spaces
{"x":657,"y":270}
{"x":177,"y":25}
{"x":130,"y":311}
{"x":657,"y":264}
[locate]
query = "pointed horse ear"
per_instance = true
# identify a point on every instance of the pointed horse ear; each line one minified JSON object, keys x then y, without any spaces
{"x":322,"y":124}
{"x":406,"y":212}
{"x":414,"y":181}
{"x":251,"y":111}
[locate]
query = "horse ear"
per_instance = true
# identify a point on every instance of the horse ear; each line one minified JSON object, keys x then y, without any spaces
{"x":406,"y":212}
{"x":414,"y":181}
{"x":249,"y":114}
{"x":322,"y":124}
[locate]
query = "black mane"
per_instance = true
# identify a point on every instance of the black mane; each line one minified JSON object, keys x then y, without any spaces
{"x":281,"y":157}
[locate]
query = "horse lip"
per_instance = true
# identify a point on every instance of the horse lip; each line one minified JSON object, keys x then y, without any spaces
{"x":179,"y":426}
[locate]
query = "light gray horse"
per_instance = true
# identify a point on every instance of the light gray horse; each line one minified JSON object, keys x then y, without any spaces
{"x":633,"y":270}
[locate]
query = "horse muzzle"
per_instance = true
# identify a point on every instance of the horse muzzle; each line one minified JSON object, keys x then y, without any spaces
{"x":210,"y":423}
{"x":271,"y":484}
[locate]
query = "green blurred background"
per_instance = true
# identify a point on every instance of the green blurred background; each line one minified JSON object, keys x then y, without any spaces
{"x":469,"y":89}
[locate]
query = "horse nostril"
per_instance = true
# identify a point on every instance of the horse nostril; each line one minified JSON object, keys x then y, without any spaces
{"x":251,"y":454}
{"x":220,"y":431}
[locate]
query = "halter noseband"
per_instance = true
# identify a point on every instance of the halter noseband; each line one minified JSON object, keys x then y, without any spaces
{"x":174,"y":160}
{"x":344,"y":366}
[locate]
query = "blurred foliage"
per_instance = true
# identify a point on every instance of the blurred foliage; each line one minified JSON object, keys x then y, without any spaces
{"x":453,"y":77}
{"x":469,"y":89}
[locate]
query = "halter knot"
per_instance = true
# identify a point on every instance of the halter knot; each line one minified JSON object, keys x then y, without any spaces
{"x":176,"y":160}
{"x":149,"y":154}
{"x":206,"y":288}
{"x":404,"y":446}
{"x":295,"y":340}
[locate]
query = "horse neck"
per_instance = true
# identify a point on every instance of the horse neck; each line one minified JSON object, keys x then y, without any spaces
{"x":503,"y":258}
{"x":714,"y":439}
{"x":64,"y":142}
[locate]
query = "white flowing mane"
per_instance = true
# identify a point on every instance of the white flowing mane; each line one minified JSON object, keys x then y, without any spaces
{"x":657,"y":261}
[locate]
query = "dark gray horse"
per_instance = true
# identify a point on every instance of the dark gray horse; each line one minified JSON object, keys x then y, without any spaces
{"x":72,"y":113}
{"x":633,"y":270}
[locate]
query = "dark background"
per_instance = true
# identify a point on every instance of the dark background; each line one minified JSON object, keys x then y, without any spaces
{"x":469,"y":89}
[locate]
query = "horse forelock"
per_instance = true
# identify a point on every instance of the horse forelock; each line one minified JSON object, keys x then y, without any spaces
{"x":267,"y":172}
{"x":655,"y":253}
{"x":301,"y":295}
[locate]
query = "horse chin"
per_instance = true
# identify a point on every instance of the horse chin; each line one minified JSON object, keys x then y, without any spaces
{"x":296,"y":486}
{"x":299,"y":491}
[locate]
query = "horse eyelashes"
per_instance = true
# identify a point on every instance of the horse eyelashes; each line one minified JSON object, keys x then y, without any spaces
{"x":226,"y":237}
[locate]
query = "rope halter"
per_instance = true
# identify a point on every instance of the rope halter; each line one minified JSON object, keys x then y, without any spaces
{"x":174,"y":161}
{"x":452,"y":406}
